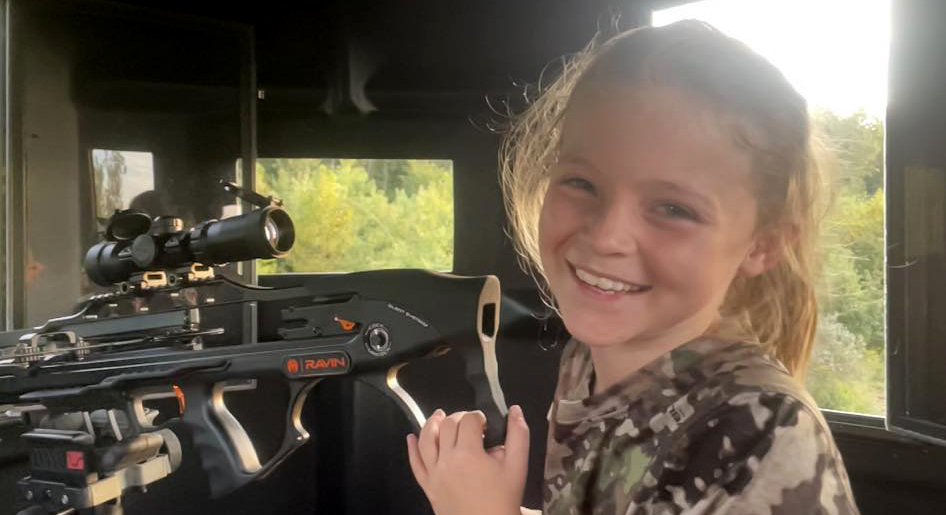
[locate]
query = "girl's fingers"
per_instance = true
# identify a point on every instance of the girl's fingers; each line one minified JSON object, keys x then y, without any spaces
{"x":417,"y":463}
{"x":470,"y":432}
{"x":497,"y":453}
{"x":517,"y":443}
{"x":448,"y":431}
{"x":429,"y":441}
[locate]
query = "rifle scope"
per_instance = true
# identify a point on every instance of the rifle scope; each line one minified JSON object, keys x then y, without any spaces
{"x":137,"y":243}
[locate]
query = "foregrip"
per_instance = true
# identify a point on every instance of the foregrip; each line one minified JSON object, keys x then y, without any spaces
{"x":225,"y":451}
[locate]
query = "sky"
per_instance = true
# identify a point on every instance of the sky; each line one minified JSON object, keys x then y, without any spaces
{"x":833,"y":51}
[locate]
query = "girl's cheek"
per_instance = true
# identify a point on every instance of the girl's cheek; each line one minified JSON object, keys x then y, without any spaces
{"x":678,"y":257}
{"x":673,"y":244}
{"x":561,"y":211}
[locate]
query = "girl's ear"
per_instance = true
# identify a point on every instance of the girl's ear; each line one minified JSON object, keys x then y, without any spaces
{"x":766,"y":252}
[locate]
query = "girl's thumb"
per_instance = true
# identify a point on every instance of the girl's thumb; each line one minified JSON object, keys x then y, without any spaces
{"x":517,"y":443}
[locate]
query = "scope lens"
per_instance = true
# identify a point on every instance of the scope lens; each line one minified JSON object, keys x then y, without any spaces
{"x":279,"y":230}
{"x":272,"y":232}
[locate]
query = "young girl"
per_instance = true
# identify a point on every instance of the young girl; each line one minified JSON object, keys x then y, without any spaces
{"x":665,"y":189}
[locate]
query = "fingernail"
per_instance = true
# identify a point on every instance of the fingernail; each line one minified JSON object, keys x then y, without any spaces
{"x":439,"y":413}
{"x":516,"y":411}
{"x":482,"y":415}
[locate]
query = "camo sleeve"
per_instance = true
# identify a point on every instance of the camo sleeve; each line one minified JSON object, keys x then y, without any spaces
{"x":760,"y":453}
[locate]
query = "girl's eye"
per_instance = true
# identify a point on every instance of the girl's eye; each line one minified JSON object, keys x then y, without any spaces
{"x":578,"y":182}
{"x":676,"y":211}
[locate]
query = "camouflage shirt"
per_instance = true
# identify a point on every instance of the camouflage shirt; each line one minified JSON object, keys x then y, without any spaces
{"x":712,"y":427}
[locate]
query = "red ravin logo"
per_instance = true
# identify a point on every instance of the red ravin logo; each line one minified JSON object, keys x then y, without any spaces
{"x":316,"y":364}
{"x":75,"y":460}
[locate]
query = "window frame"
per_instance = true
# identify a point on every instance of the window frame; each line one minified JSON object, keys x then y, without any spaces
{"x":6,"y":177}
{"x":908,"y":116}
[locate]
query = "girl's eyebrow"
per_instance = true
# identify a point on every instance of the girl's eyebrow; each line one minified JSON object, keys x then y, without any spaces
{"x":684,"y":190}
{"x":574,"y":159}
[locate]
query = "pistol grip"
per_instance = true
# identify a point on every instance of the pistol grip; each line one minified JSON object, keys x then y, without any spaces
{"x":226,"y":452}
{"x":482,"y":369}
{"x":478,"y":351}
{"x":488,"y":396}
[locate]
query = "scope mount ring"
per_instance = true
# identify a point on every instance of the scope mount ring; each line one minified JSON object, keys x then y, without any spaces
{"x":127,"y":225}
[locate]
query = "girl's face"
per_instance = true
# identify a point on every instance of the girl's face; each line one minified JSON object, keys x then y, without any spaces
{"x":648,"y":217}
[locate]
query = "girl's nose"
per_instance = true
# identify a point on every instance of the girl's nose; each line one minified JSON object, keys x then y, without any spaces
{"x":614,"y":228}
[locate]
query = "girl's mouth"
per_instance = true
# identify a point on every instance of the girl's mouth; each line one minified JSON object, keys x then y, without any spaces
{"x":604,"y":285}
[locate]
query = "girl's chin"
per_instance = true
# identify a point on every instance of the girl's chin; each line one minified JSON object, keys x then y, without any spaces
{"x":599,"y":339}
{"x":601,"y":346}
{"x":596,"y":328}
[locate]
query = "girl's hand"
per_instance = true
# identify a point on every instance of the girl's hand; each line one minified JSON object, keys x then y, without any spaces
{"x":458,"y":475}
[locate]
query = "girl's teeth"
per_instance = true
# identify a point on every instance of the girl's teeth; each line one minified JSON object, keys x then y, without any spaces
{"x":604,"y":283}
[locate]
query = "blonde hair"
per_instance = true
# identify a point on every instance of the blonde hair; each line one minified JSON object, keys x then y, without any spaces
{"x":765,"y":116}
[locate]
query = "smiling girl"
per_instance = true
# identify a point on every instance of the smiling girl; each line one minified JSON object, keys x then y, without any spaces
{"x":665,"y":190}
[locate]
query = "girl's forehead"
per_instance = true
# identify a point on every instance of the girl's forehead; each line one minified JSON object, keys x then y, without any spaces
{"x":650,"y":126}
{"x":644,"y":109}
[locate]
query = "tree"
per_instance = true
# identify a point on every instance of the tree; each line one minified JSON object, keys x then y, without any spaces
{"x":109,"y":167}
{"x":847,"y":370}
{"x":852,"y":279}
{"x":845,"y":374}
{"x":857,"y":142}
{"x":359,"y":215}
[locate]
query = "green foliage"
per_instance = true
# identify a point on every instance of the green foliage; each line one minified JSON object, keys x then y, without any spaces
{"x":852,"y":282}
{"x":355,"y":214}
{"x":844,"y":373}
{"x":857,"y":141}
{"x":847,"y":366}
